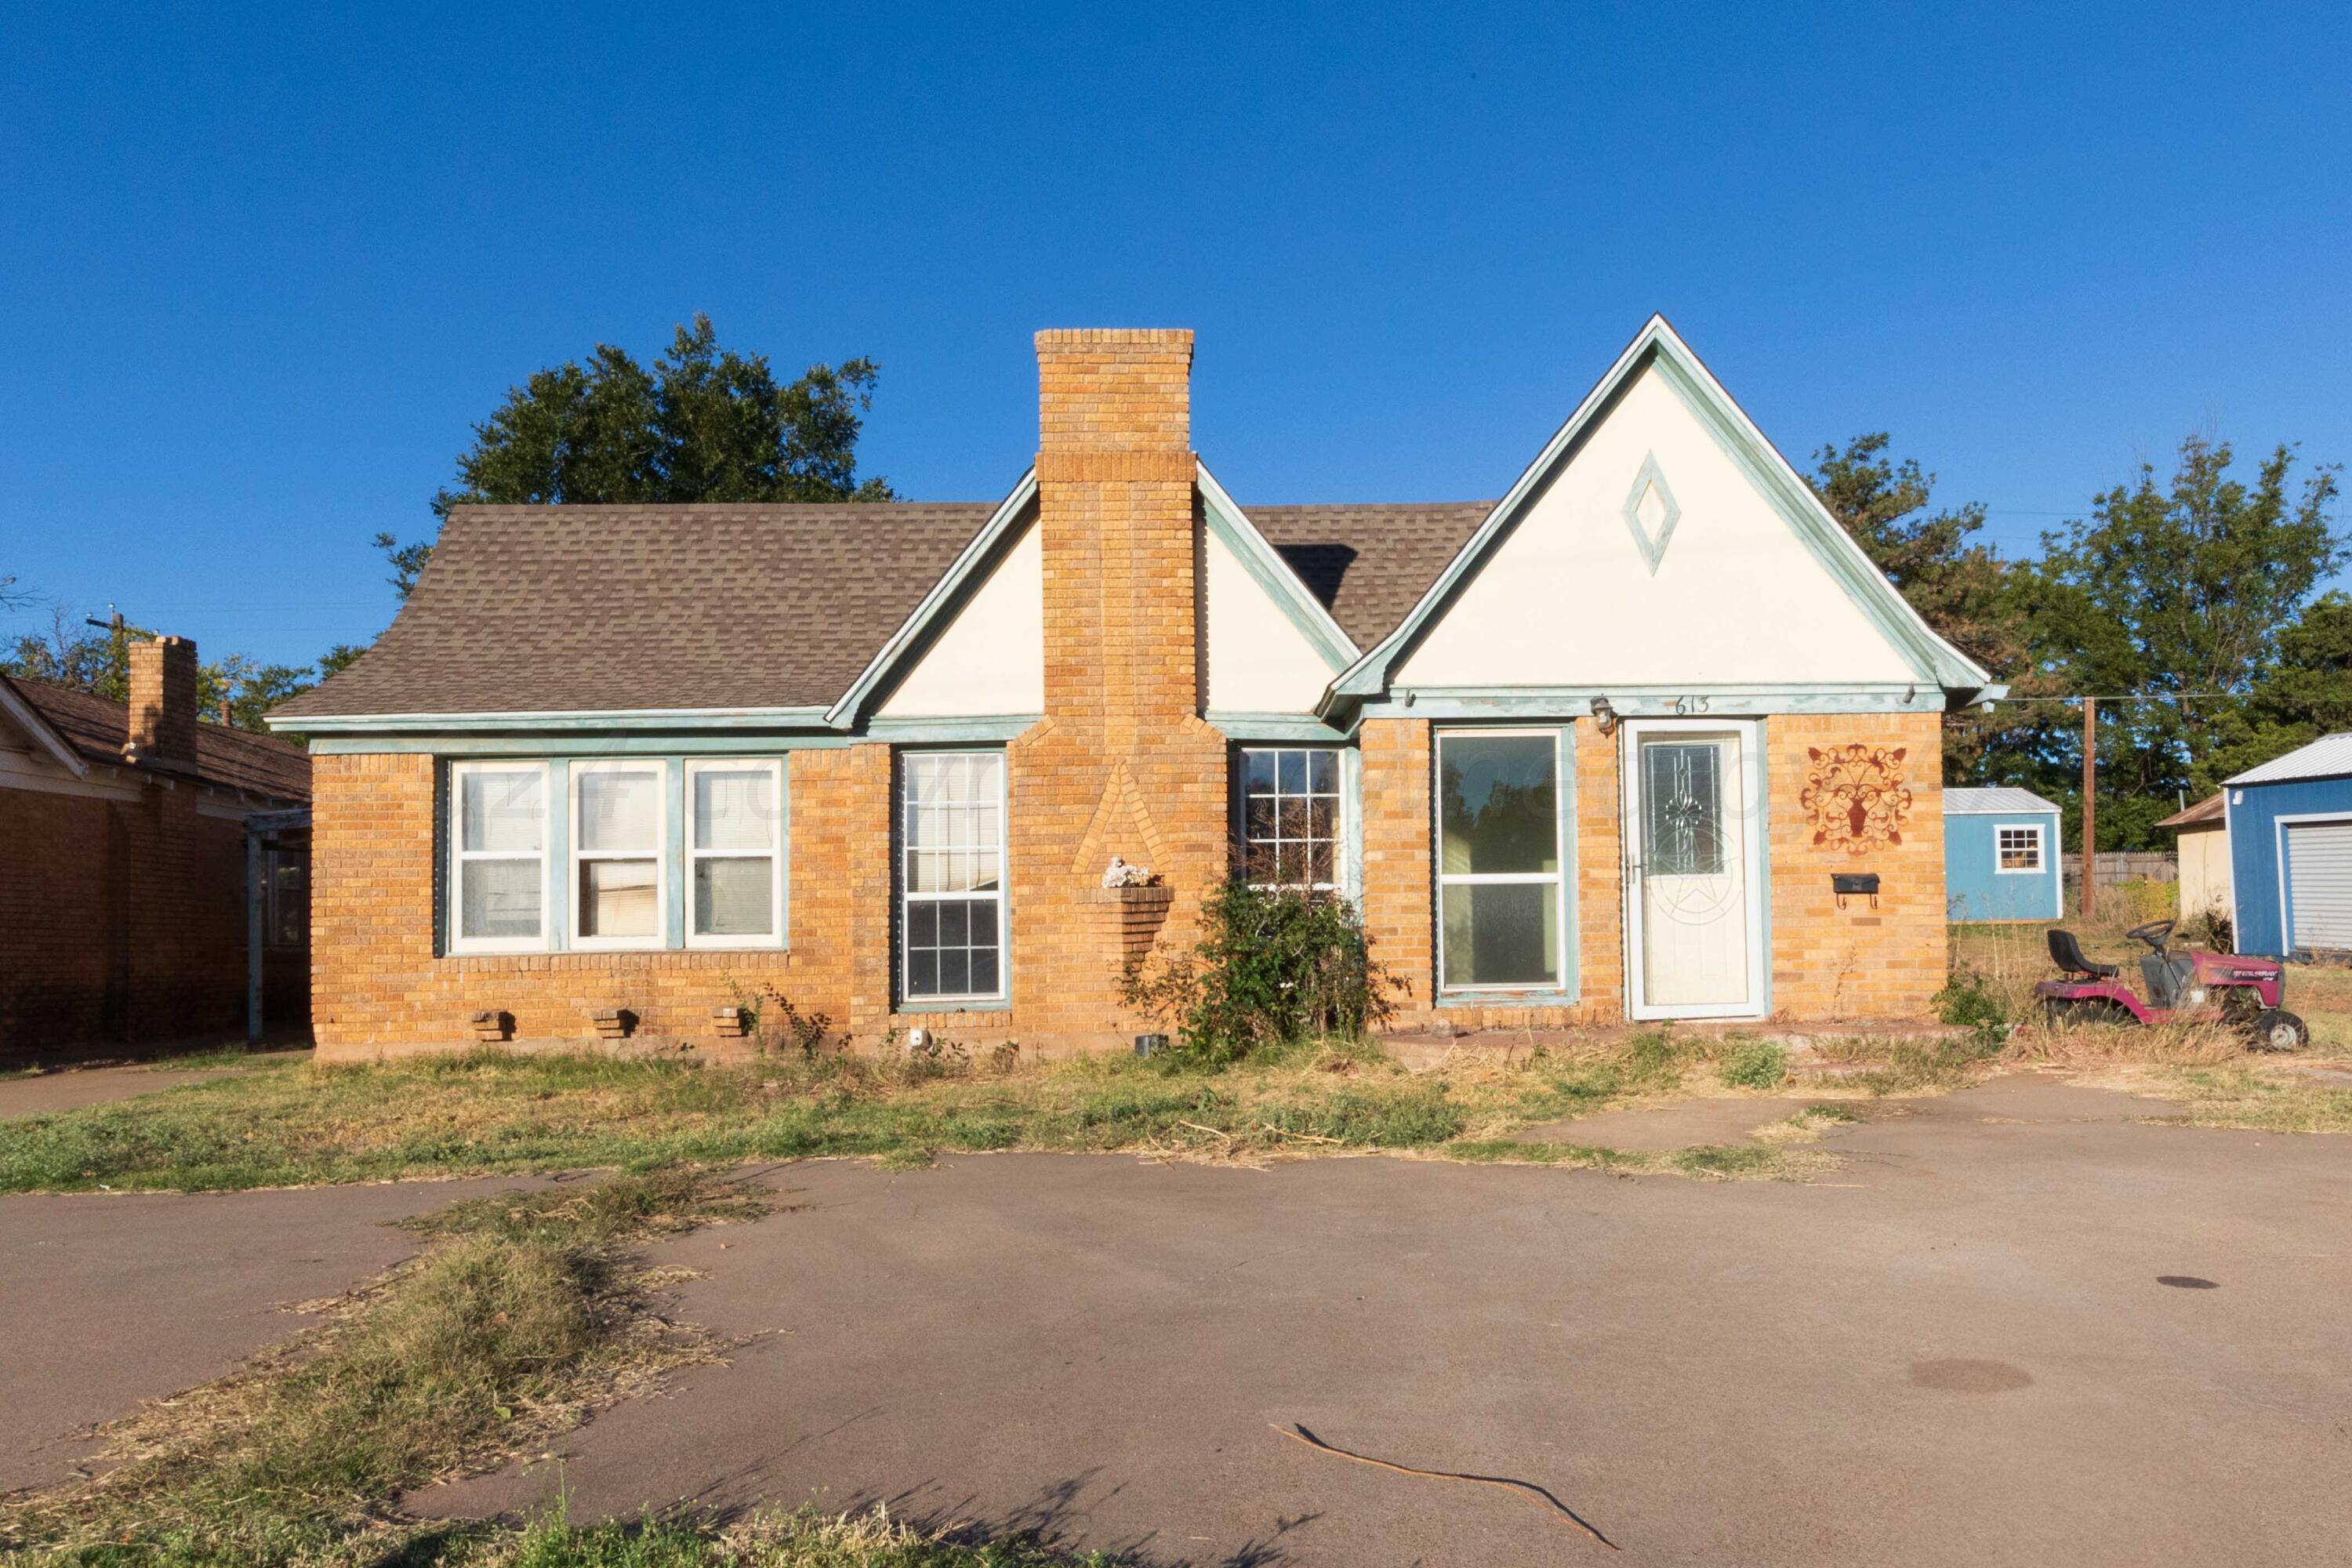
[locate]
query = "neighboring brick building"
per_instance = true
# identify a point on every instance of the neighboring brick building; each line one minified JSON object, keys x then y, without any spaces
{"x":124,"y":906}
{"x":1676,"y":742}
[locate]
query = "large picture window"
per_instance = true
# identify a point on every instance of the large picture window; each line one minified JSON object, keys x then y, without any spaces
{"x":734,"y":851}
{"x":1290,"y":816}
{"x":617,"y":854}
{"x":498,"y":856}
{"x":951,"y":877}
{"x":1501,"y":835}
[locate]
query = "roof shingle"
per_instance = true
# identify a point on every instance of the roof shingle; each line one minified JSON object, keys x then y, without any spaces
{"x":237,"y":759}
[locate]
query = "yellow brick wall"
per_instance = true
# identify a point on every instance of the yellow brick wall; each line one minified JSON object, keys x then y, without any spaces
{"x":1856,"y":963}
{"x":1122,"y":764}
{"x":1827,"y":963}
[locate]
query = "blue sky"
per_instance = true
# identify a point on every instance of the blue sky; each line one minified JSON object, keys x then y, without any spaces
{"x":264,"y":266}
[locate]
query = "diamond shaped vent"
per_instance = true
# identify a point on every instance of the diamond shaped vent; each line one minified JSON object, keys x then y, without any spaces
{"x":1652,"y":512}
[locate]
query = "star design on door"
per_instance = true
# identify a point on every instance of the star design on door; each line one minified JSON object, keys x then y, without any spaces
{"x":1652,"y":512}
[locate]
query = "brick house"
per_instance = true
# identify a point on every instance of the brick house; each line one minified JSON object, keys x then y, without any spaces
{"x":1647,"y":737}
{"x":141,"y":853}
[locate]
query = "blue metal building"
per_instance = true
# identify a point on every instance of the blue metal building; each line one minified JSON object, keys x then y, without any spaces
{"x":2291,"y":851}
{"x":2001,"y":855}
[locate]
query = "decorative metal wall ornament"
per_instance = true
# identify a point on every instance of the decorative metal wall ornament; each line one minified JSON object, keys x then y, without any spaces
{"x":1855,"y":798}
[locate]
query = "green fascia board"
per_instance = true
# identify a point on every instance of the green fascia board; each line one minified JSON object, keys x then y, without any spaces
{"x":562,"y":745}
{"x":1265,"y":566}
{"x":997,"y":728}
{"x":946,"y":596}
{"x":1936,"y":661}
{"x":665,"y":720}
{"x":1653,"y":701}
{"x":1297,"y":728}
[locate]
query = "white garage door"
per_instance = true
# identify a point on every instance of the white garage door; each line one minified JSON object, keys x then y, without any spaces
{"x":2319,"y":884}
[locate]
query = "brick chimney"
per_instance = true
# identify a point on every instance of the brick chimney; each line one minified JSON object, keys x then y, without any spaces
{"x":1123,"y":762}
{"x":162,"y":701}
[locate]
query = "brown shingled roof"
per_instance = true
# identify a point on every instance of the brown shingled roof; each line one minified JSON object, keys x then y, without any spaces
{"x":236,"y":759}
{"x":1369,"y":564}
{"x":548,"y":609}
{"x":551,"y":609}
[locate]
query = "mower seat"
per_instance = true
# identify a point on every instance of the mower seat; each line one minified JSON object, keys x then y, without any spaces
{"x":2067,"y":955}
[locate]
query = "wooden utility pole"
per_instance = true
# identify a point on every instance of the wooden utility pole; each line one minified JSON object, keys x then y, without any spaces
{"x":2090,"y":804}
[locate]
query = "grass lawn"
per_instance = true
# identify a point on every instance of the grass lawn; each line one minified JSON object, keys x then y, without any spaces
{"x":286,"y":1124}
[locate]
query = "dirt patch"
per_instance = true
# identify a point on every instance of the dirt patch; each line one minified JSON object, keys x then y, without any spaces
{"x":1654,"y":1129}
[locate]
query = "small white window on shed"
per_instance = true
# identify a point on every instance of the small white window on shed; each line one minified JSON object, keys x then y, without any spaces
{"x":2017,"y":849}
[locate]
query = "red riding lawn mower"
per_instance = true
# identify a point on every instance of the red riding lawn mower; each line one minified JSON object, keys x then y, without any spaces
{"x":2191,"y":987}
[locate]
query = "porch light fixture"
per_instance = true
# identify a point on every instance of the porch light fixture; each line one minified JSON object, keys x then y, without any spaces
{"x":1604,"y":716}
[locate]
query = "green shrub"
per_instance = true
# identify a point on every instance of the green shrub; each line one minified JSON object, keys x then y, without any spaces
{"x":1273,"y":966}
{"x":1755,"y":1064}
{"x":1968,"y":1000}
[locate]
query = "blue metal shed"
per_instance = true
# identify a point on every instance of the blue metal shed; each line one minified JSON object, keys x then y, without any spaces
{"x":2291,"y":851}
{"x":2001,"y":855}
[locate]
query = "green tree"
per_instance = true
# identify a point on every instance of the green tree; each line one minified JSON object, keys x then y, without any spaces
{"x":2178,"y":594}
{"x":702,"y":424}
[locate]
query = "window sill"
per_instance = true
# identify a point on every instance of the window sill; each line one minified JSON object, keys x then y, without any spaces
{"x":927,"y":1008}
{"x":616,"y":959}
{"x":1508,"y":999}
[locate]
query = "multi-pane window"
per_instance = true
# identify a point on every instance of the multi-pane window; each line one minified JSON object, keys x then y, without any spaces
{"x":2018,"y":848}
{"x":617,"y":851}
{"x":1290,"y":816}
{"x":1500,"y":891}
{"x":735,"y":882}
{"x":498,"y":857}
{"x":289,"y":898}
{"x":952,"y":876}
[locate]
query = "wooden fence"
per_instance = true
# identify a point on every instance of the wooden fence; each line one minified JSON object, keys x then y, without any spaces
{"x":2112,"y":867}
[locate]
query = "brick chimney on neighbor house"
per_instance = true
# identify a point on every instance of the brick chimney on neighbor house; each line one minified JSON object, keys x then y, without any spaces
{"x":162,"y":701}
{"x":1123,"y":763}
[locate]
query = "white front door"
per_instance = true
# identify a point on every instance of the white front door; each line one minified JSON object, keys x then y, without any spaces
{"x":1694,"y":865}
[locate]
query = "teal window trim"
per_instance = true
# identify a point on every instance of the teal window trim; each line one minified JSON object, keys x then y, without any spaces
{"x":559,"y":855}
{"x":1347,"y":843}
{"x":1571,"y":989}
{"x":584,"y":748}
{"x":900,"y":1002}
{"x":1280,"y":728}
{"x":673,"y":849}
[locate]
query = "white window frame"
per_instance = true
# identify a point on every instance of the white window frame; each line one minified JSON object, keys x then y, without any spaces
{"x":2041,"y":849}
{"x":660,"y":854}
{"x":900,"y":851}
{"x":781,"y":830}
{"x":1563,"y":809}
{"x":1340,"y":817}
{"x":459,"y":942}
{"x":274,"y":910}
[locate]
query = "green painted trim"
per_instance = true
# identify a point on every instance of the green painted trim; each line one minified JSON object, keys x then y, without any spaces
{"x":997,"y":729}
{"x":665,"y":719}
{"x":1937,"y":662}
{"x":583,"y":747}
{"x":674,"y":847}
{"x":1291,"y":727}
{"x":1351,"y":824}
{"x":1464,"y":999}
{"x":557,"y":921}
{"x":1265,"y":566}
{"x":945,"y":597}
{"x":1651,"y":477}
{"x":905,"y":1010}
{"x":1556,"y":702}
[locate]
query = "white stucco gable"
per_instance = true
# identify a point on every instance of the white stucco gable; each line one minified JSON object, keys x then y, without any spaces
{"x":1707,"y":585}
{"x":1259,"y":662}
{"x":1660,"y":548}
{"x":989,"y":658}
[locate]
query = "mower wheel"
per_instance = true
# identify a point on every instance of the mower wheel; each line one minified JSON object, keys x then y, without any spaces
{"x":2278,"y":1030}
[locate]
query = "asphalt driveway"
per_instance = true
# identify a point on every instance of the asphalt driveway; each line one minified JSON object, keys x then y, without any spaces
{"x":1959,"y":1350}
